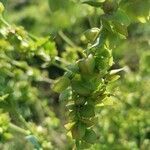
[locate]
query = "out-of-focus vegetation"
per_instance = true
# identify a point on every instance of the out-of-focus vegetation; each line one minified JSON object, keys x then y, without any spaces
{"x":37,"y":42}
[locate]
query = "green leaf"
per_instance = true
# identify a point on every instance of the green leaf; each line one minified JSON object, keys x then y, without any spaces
{"x":78,"y":130}
{"x":90,"y":136}
{"x":89,"y":121}
{"x":50,"y":49}
{"x":80,"y":100}
{"x":106,"y":24}
{"x":61,"y":84}
{"x":85,"y":145}
{"x":122,"y":29}
{"x":91,"y":34}
{"x":93,"y":3}
{"x":81,"y":87}
{"x":2,"y":98}
{"x":112,"y":72}
{"x":136,"y":8}
{"x":112,"y":78}
{"x":68,"y":126}
{"x":87,"y":111}
{"x":56,"y":5}
{"x":121,"y":17}
{"x":65,"y":95}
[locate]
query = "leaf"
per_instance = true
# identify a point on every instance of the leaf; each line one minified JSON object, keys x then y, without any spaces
{"x":50,"y":49}
{"x":121,"y":17}
{"x":106,"y":24}
{"x":78,"y":130}
{"x":2,"y":98}
{"x":90,"y":136}
{"x":90,"y":122}
{"x":85,"y":145}
{"x":113,"y":78}
{"x":106,"y":102}
{"x":61,"y":84}
{"x":100,"y":98}
{"x":116,"y":71}
{"x":68,"y":126}
{"x":87,"y":111}
{"x":93,"y":3}
{"x":136,"y":8}
{"x":72,"y":115}
{"x":65,"y":95}
{"x":122,"y":29}
{"x":91,"y":34}
{"x":81,"y":88}
{"x":56,"y":5}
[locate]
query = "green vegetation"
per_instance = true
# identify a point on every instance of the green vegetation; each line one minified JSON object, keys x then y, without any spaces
{"x":74,"y":74}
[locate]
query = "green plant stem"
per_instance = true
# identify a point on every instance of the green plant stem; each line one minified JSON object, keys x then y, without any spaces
{"x":21,"y":119}
{"x":59,"y":66}
{"x":15,"y":128}
{"x":61,"y":60}
{"x":4,"y":21}
{"x":66,"y":39}
{"x":70,"y":42}
{"x":77,"y":144}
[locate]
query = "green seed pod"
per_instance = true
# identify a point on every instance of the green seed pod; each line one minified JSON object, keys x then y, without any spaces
{"x":61,"y":84}
{"x":90,"y":136}
{"x":78,"y":130}
{"x":110,"y":6}
{"x":91,"y":34}
{"x":1,"y":8}
{"x":90,"y":63}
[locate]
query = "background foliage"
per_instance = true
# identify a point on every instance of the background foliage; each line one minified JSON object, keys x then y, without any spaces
{"x":31,"y":113}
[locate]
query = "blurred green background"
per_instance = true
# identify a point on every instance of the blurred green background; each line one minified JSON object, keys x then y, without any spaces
{"x":122,"y":126}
